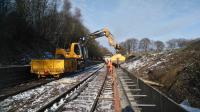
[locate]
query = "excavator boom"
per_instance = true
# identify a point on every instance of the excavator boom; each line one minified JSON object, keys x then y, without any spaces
{"x":117,"y":58}
{"x":104,"y":32}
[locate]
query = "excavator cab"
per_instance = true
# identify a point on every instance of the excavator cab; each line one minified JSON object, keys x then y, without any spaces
{"x":75,"y":51}
{"x":80,"y":51}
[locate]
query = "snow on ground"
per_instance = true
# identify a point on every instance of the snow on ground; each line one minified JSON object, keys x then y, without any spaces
{"x":185,"y":104}
{"x":136,"y":64}
{"x":32,"y":99}
{"x":157,"y":64}
{"x":151,"y":61}
{"x":20,"y":101}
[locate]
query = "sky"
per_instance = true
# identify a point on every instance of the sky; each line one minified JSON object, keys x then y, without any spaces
{"x":154,"y":19}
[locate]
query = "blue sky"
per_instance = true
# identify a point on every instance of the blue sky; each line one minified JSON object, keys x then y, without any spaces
{"x":155,"y":19}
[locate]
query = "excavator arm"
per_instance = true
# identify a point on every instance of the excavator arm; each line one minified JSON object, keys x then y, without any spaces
{"x":100,"y":33}
{"x":116,"y":58}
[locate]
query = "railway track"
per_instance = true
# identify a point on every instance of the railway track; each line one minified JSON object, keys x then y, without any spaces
{"x":137,"y":96}
{"x":15,"y":75}
{"x":31,"y":84}
{"x":105,"y":101}
{"x":31,"y":100}
{"x":82,"y":97}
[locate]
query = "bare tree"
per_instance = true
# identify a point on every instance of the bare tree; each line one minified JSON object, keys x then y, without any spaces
{"x":171,"y":44}
{"x":124,"y":50}
{"x":128,"y":45}
{"x":144,"y":44}
{"x":181,"y":42}
{"x":77,"y":14}
{"x":159,"y":45}
{"x":134,"y":42}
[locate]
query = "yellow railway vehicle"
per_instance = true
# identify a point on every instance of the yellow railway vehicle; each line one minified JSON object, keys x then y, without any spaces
{"x":64,"y":62}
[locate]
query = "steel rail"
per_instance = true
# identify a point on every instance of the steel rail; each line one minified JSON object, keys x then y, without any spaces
{"x":58,"y":98}
{"x":98,"y":95}
{"x":2,"y":97}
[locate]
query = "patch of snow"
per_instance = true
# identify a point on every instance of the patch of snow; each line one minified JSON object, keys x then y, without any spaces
{"x":136,"y":64}
{"x":146,"y":61}
{"x":156,"y":64}
{"x":31,"y":99}
{"x":185,"y":104}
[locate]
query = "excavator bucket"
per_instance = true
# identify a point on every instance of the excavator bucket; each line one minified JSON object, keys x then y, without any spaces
{"x":118,"y":59}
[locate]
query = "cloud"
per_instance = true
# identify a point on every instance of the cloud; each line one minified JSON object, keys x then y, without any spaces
{"x":178,"y":24}
{"x":155,"y":19}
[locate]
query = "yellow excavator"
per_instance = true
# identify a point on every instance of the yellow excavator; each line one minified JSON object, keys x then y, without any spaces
{"x":74,"y":58}
{"x":117,"y":58}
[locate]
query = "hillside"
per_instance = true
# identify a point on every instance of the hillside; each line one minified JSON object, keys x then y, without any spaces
{"x":178,"y":70}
